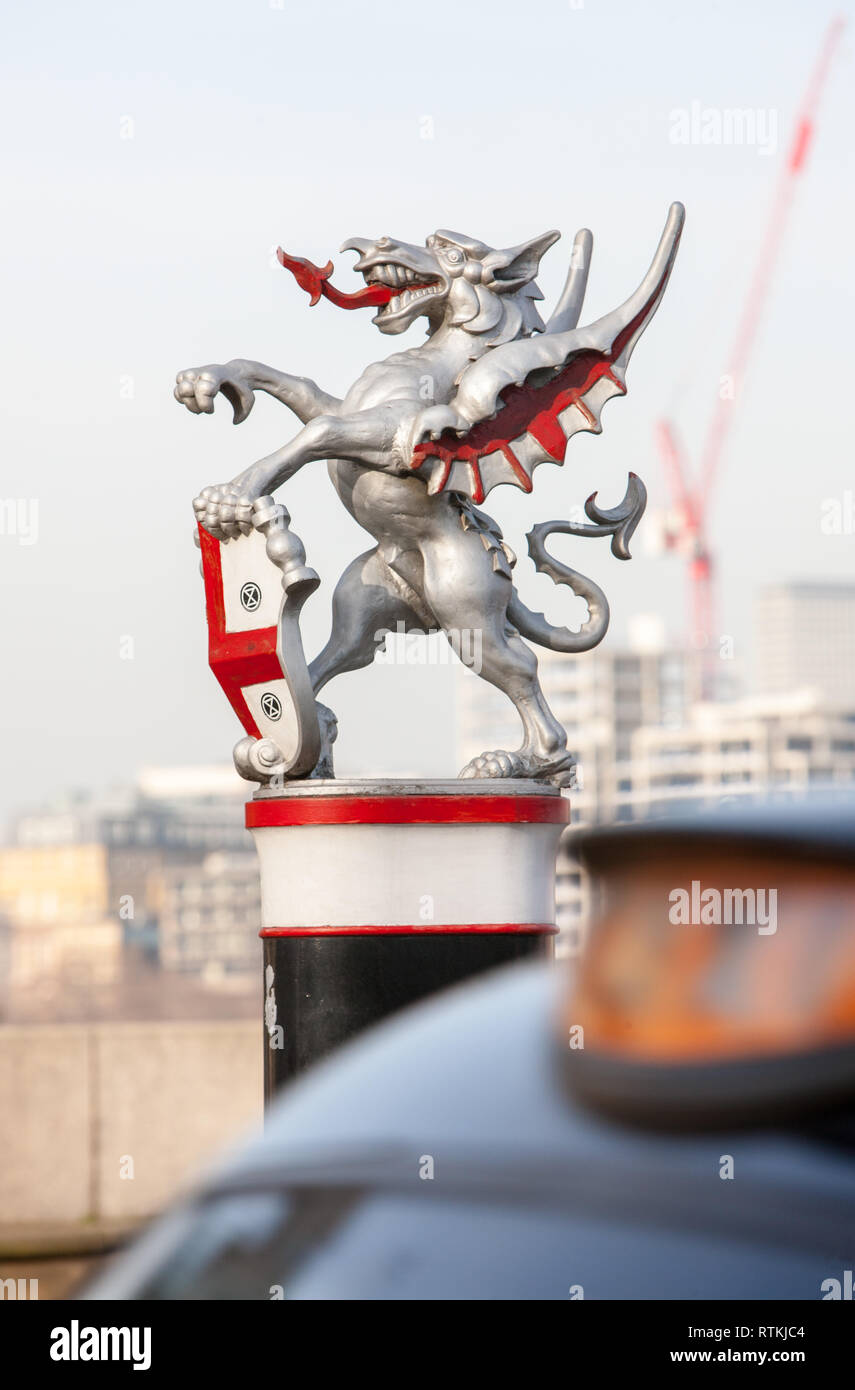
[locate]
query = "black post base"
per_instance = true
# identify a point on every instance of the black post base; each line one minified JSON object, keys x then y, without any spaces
{"x":327,"y":988}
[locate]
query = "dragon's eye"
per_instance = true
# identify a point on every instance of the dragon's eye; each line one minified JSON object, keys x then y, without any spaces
{"x":453,"y":255}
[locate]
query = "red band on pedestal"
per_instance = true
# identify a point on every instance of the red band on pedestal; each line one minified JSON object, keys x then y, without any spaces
{"x":408,"y":810}
{"x":429,"y":929}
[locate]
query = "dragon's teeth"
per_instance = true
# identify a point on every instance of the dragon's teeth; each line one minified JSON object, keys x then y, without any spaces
{"x":395,"y":304}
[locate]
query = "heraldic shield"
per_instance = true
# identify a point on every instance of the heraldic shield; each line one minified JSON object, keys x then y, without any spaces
{"x":255,"y":586}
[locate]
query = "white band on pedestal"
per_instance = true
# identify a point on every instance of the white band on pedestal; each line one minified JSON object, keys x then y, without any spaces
{"x":383,"y":855}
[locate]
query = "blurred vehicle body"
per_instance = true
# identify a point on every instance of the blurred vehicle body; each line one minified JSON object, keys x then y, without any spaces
{"x":699,"y":1145}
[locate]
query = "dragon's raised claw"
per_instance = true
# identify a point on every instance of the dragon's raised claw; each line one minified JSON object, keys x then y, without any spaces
{"x":196,"y":388}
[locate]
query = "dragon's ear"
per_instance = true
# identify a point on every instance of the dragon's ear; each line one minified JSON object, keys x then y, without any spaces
{"x":509,"y":270}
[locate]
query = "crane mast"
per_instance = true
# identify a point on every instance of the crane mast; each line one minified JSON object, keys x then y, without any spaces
{"x":691,"y":498}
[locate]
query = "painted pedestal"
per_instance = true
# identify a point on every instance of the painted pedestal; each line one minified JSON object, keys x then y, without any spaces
{"x":375,"y":894}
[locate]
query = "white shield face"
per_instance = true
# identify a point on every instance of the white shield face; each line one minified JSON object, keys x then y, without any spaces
{"x":252,"y":585}
{"x":272,"y":707}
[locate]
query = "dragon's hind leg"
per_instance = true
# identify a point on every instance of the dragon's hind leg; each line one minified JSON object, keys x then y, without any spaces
{"x":470,"y":588}
{"x":509,"y":664}
{"x":369,"y":600}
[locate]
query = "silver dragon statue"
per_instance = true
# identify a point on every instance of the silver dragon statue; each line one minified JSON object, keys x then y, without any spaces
{"x":413,"y":449}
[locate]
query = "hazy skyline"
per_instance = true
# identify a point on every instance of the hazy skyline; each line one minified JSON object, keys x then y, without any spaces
{"x":154,"y":157}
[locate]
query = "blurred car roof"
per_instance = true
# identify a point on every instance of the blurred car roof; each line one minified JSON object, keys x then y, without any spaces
{"x":820,"y":825}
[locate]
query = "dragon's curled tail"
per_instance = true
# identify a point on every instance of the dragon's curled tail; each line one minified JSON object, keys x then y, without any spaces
{"x":618,"y":522}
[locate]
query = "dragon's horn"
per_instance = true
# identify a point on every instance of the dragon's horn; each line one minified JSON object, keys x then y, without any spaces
{"x":357,"y":243}
{"x":569,"y":306}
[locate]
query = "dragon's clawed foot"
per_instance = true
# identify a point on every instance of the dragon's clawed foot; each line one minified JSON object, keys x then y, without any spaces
{"x":224,"y":510}
{"x":557,"y":769}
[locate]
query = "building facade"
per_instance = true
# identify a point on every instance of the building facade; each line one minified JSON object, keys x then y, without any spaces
{"x":804,"y":634}
{"x":163,"y":873}
{"x":784,"y":745}
{"x":208,"y":918}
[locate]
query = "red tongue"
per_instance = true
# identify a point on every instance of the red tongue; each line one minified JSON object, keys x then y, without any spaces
{"x":315,"y":281}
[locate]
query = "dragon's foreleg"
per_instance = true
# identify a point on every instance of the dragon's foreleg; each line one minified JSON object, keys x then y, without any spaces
{"x":238,"y":381}
{"x":367,"y":437}
{"x":299,"y":393}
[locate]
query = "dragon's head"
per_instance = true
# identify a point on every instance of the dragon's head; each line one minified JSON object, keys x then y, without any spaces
{"x":453,"y":280}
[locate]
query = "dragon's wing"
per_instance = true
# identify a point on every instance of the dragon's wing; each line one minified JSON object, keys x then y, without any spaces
{"x":519,"y":404}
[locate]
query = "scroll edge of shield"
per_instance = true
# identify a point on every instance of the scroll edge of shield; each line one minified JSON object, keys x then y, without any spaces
{"x":286,"y":551}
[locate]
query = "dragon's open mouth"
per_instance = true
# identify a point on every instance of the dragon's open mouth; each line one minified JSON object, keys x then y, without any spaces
{"x":399,"y":287}
{"x":389,"y":286}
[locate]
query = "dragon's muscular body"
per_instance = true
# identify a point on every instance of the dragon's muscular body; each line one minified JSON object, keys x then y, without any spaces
{"x":438,"y":562}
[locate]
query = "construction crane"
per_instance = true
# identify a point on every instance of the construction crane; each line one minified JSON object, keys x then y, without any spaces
{"x":691,"y":498}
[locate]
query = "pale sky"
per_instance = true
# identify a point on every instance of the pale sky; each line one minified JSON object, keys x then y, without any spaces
{"x":155,"y":155}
